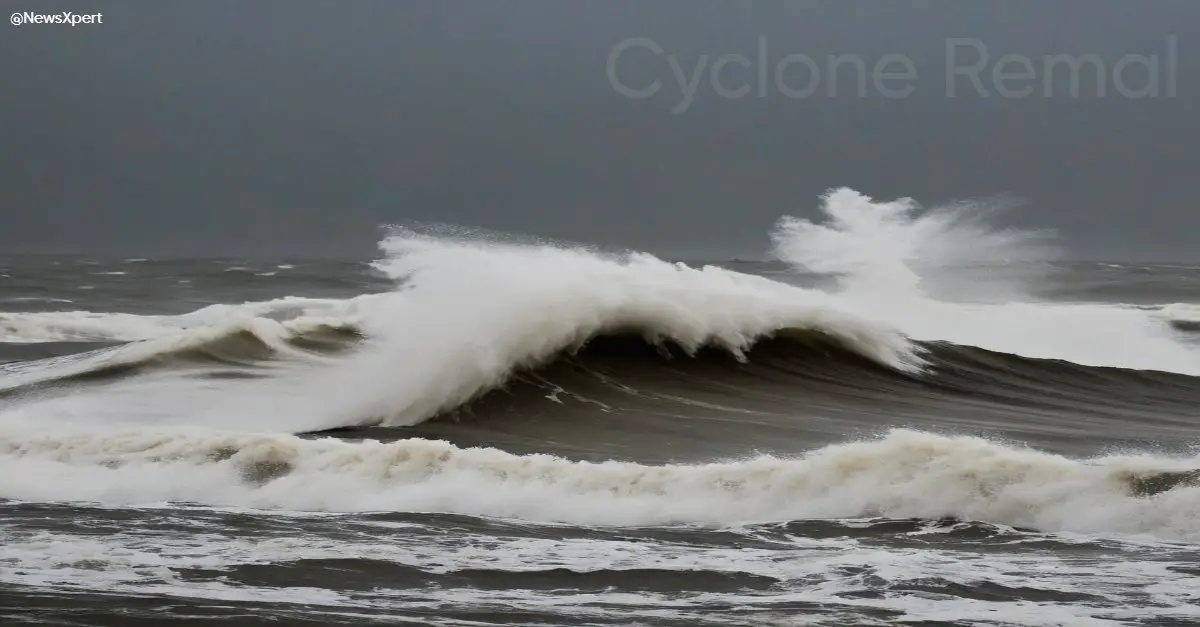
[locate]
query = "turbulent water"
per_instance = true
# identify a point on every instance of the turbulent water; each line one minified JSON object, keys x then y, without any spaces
{"x":907,"y":418}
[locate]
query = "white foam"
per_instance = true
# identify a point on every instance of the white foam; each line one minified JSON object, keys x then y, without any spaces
{"x":468,"y":313}
{"x":59,"y":326}
{"x":917,"y":269}
{"x":127,"y":563}
{"x":1183,"y":316}
{"x":466,"y":316}
{"x":270,"y":332}
{"x":810,"y":570}
{"x":472,"y":313}
{"x":1092,"y":335}
{"x":904,"y":474}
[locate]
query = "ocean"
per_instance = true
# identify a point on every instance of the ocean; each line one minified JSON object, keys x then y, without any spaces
{"x":902,"y":417}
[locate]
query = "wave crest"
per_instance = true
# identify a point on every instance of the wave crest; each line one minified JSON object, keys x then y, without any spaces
{"x":471,"y":313}
{"x":904,"y":474}
{"x":88,"y":326}
{"x":1182,"y":316}
{"x":466,"y":316}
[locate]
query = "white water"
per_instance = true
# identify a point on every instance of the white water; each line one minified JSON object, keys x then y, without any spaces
{"x":468,"y":313}
{"x":86,"y":326}
{"x":891,"y":256}
{"x":811,"y":570}
{"x":904,"y":474}
{"x":518,"y":301}
{"x":1182,"y":316}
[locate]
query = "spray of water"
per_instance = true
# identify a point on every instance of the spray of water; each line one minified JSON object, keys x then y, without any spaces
{"x":949,"y":274}
{"x":899,"y":249}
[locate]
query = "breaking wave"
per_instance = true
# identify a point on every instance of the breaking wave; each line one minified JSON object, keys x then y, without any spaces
{"x":903,"y":474}
{"x":203,"y":407}
{"x":87,"y":326}
{"x":1182,"y":316}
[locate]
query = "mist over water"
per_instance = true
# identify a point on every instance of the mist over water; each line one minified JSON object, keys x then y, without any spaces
{"x":946,"y":274}
{"x":898,"y":249}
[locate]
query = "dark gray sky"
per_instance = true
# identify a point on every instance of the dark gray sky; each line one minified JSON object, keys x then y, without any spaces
{"x":296,"y":127}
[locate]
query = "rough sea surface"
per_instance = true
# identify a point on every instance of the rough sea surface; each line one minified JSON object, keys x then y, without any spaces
{"x":906,"y":418}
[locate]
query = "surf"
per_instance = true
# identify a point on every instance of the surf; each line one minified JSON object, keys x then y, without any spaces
{"x":901,"y":474}
{"x":469,"y":312}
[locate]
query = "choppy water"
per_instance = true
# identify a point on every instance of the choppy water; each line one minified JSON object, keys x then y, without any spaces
{"x":896,"y":423}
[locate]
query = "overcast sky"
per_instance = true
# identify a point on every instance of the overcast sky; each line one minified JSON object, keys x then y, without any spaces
{"x":297,"y":127}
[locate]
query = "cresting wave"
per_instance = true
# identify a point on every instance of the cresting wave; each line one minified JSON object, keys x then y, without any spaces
{"x":1182,"y":316}
{"x":296,"y":313}
{"x":472,"y":316}
{"x":240,"y":342}
{"x":467,"y":316}
{"x":902,"y":474}
{"x":898,"y":266}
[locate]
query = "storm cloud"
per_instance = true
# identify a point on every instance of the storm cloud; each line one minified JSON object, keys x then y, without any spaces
{"x":273,"y":127}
